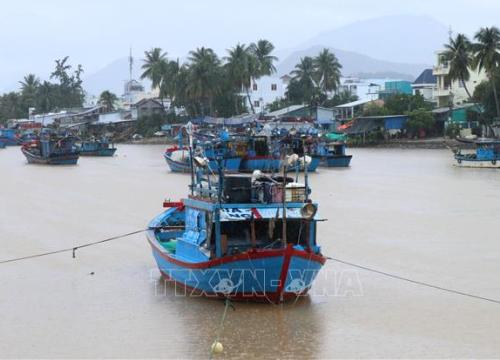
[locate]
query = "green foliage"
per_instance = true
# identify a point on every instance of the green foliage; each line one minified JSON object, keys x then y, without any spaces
{"x":108,"y":99}
{"x":420,"y":119}
{"x":398,"y":104}
{"x":314,"y":78}
{"x":148,"y":125}
{"x":45,"y":96}
{"x":373,"y":109}
{"x":452,"y":130}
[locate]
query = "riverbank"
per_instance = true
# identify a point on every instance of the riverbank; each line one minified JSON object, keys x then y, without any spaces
{"x":433,"y":143}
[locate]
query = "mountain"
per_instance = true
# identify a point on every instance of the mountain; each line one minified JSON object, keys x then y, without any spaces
{"x":356,"y":64}
{"x":112,"y":77}
{"x":397,"y":38}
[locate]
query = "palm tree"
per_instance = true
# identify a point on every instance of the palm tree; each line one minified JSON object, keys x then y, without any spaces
{"x":154,"y":65}
{"x":458,"y":52}
{"x":327,"y":69}
{"x":265,"y":61}
{"x":303,"y":77}
{"x":29,"y":88}
{"x":108,"y":99}
{"x":241,"y":67}
{"x":487,"y":56}
{"x":203,"y":80}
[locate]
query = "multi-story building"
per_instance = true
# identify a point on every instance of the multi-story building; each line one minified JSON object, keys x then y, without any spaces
{"x":425,"y":85}
{"x":266,"y":90}
{"x":453,"y":92}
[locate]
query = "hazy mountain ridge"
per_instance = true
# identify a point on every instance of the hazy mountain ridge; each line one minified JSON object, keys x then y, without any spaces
{"x":399,"y":46}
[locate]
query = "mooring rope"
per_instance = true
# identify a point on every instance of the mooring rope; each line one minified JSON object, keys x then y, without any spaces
{"x":72,"y":249}
{"x":417,"y":282}
{"x":221,"y":327}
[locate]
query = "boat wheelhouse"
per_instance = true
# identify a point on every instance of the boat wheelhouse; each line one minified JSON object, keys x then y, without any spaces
{"x":334,"y":155}
{"x":97,"y":148}
{"x":239,"y":236}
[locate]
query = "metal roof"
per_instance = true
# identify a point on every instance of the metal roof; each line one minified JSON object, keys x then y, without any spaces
{"x":285,"y":110}
{"x":426,"y":77}
{"x":354,"y":103}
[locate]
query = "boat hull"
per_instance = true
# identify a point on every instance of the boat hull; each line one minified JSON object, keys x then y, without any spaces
{"x":99,"y":152}
{"x":54,"y":159}
{"x":177,"y":166}
{"x":338,"y":160}
{"x":266,"y":164}
{"x":10,"y":141}
{"x":228,"y":164}
{"x":2,"y":145}
{"x":273,"y":275}
{"x":468,"y":163}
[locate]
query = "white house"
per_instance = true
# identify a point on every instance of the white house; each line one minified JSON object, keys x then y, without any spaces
{"x":453,"y":91}
{"x":425,"y":85}
{"x":266,"y":90}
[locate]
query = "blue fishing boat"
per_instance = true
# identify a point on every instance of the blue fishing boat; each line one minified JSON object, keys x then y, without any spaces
{"x":9,"y":137}
{"x":2,"y":145}
{"x":485,"y":155}
{"x":242,"y":236}
{"x":52,"y":150}
{"x":97,"y":148}
{"x":258,"y":154}
{"x":334,"y":154}
{"x":305,"y":146}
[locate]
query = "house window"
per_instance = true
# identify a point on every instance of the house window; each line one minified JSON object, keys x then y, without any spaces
{"x":254,"y":87}
{"x":256,"y":103}
{"x":274,"y":87}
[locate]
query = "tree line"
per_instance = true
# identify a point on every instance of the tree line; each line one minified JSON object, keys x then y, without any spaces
{"x":481,"y":53}
{"x":65,"y":91}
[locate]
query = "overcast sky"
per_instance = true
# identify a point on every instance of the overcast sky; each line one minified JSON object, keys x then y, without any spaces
{"x":96,"y":32}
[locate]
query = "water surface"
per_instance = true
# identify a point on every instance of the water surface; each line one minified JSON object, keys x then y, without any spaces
{"x":407,"y":212}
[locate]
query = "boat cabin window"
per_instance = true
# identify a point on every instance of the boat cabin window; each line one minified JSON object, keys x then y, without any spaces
{"x":236,"y":236}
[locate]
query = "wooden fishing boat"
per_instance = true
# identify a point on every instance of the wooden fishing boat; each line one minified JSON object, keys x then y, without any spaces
{"x":2,"y":145}
{"x":97,"y":148}
{"x":52,"y":150}
{"x":485,"y":155}
{"x":178,"y":159}
{"x":334,"y":155}
{"x":243,"y":236}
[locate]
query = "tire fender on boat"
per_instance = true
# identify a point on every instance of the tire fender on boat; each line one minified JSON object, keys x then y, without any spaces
{"x":494,"y":162}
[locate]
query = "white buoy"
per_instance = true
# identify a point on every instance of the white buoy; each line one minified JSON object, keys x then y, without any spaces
{"x":217,"y":347}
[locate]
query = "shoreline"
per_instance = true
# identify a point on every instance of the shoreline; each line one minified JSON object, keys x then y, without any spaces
{"x":434,"y":143}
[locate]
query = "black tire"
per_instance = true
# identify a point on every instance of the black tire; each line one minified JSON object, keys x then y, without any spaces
{"x":494,"y":162}
{"x":459,"y":161}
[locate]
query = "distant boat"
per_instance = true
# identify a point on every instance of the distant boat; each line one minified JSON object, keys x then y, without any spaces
{"x":178,"y":159}
{"x":486,"y":154}
{"x":9,"y":137}
{"x":96,"y":148}
{"x":2,"y":145}
{"x":52,"y":150}
{"x":334,"y":155}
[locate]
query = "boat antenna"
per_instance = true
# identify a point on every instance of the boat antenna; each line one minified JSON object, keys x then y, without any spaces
{"x":306,"y":173}
{"x":189,"y":131}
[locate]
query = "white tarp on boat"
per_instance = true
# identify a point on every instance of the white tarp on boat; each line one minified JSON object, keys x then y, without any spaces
{"x":239,"y":214}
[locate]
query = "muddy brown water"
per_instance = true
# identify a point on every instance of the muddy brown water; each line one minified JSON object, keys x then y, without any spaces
{"x":408,"y":212}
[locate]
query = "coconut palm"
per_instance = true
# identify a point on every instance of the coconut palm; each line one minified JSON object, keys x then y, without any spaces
{"x":108,"y":99}
{"x":241,"y":67}
{"x":154,"y":65}
{"x":327,"y":70}
{"x":29,"y":84}
{"x":487,"y":56}
{"x":203,"y":79}
{"x":458,"y":52}
{"x":265,"y":61}
{"x":304,"y":71}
